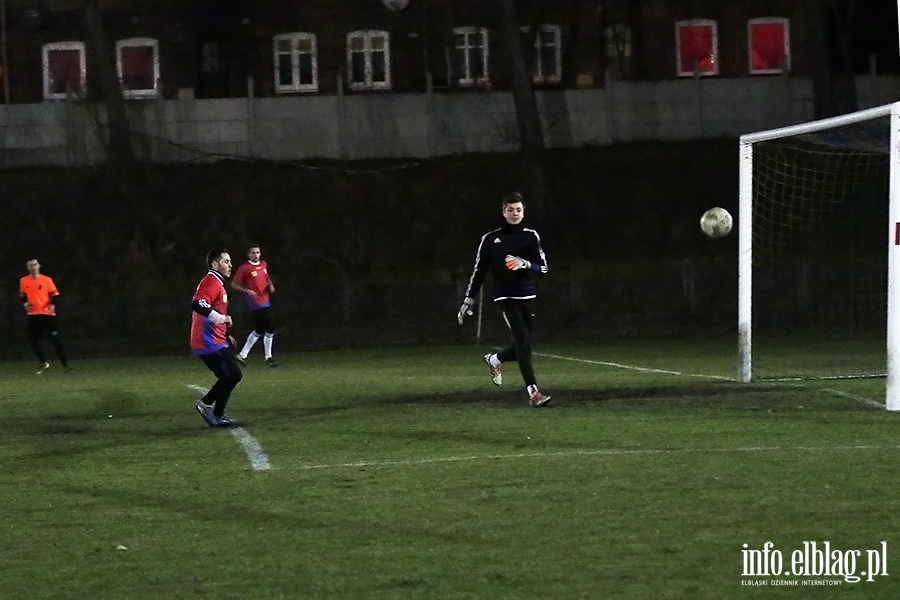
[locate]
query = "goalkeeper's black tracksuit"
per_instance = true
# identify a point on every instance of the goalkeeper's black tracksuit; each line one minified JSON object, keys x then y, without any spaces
{"x":514,"y":291}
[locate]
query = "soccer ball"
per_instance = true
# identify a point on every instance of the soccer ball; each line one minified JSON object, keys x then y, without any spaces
{"x":716,"y":222}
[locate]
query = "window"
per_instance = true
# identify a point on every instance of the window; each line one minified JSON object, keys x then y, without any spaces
{"x":697,"y":47}
{"x":209,"y":58}
{"x":368,"y":60}
{"x":137,"y":61}
{"x":470,"y":54}
{"x":618,"y":49}
{"x":210,"y":61}
{"x":64,"y":70}
{"x":296,"y":64}
{"x":769,"y":45}
{"x":547,"y":66}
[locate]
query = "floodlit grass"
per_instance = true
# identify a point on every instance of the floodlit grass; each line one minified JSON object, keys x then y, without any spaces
{"x":406,"y":474}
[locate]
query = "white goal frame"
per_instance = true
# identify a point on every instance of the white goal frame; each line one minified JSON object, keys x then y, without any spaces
{"x":745,"y":238}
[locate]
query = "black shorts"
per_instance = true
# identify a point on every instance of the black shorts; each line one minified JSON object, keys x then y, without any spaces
{"x":222,"y":364}
{"x":262,"y":321}
{"x":42,"y":325}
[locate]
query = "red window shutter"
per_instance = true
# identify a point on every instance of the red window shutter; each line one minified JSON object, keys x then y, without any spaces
{"x":696,"y":46}
{"x":767,"y":46}
{"x":137,"y":68}
{"x":65,"y":71}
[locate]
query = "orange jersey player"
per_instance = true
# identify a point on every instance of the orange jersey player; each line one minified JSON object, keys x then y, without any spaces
{"x":39,"y":297}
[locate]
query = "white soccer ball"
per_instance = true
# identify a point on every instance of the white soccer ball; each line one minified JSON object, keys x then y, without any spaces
{"x":716,"y":222}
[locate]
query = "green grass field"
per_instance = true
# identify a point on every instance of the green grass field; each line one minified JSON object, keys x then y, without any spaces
{"x":404,"y":473}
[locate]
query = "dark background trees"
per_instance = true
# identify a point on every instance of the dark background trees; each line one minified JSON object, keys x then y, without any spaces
{"x":371,"y":253}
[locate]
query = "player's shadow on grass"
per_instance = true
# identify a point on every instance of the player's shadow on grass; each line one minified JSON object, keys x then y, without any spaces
{"x":246,"y":511}
{"x":115,"y":403}
{"x":76,"y":437}
{"x":115,"y":420}
{"x":699,"y":394}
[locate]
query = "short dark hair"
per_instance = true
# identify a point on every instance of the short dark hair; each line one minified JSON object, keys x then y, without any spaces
{"x":214,"y":254}
{"x":252,"y":246}
{"x":513,"y":198}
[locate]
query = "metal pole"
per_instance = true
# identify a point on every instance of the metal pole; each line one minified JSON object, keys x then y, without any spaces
{"x":4,"y":57}
{"x":425,"y":58}
{"x":251,"y":114}
{"x":745,"y":261}
{"x":892,"y":395}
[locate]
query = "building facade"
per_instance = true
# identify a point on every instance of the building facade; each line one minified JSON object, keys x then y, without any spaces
{"x":166,"y":49}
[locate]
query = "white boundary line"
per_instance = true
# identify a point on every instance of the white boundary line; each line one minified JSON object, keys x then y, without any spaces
{"x":854,"y":397}
{"x":634,"y":367}
{"x":252,"y":448}
{"x":833,"y":392}
{"x":259,"y":461}
{"x":572,"y":453}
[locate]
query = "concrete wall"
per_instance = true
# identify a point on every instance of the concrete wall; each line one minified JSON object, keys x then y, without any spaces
{"x":414,"y":125}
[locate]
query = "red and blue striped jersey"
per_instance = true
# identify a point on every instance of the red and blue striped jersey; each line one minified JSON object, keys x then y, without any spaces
{"x":206,"y":336}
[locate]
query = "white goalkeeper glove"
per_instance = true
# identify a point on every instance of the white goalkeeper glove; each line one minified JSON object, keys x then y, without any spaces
{"x":465,"y":309}
{"x":514,"y":263}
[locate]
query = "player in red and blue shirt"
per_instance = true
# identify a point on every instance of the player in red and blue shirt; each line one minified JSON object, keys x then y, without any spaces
{"x":210,"y":339}
{"x":253,"y":280}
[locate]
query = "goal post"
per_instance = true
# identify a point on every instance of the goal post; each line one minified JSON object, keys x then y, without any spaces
{"x":818,"y":293}
{"x":892,"y":397}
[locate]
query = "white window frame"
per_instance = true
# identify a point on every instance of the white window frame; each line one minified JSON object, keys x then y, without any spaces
{"x":786,"y":64}
{"x":45,"y":62}
{"x":466,"y":79}
{"x":715,"y":47}
{"x":538,"y":74}
{"x":133,"y":43}
{"x":295,"y":38}
{"x":367,"y":35}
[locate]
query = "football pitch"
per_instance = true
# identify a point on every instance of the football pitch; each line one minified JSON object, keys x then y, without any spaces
{"x":403,"y":473}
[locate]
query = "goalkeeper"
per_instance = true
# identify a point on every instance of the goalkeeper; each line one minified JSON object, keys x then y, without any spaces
{"x":514,"y":257}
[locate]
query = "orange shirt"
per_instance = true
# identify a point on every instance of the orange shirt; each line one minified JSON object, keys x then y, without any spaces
{"x":39,"y":291}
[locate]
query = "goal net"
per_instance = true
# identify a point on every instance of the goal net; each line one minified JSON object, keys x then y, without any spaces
{"x":814,"y":244}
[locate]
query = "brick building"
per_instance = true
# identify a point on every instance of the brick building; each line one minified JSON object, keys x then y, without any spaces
{"x":212,"y":48}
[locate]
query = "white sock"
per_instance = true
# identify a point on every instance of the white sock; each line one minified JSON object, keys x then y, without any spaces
{"x":495,"y":362}
{"x":267,"y":344}
{"x":248,"y":345}
{"x":532,"y":390}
